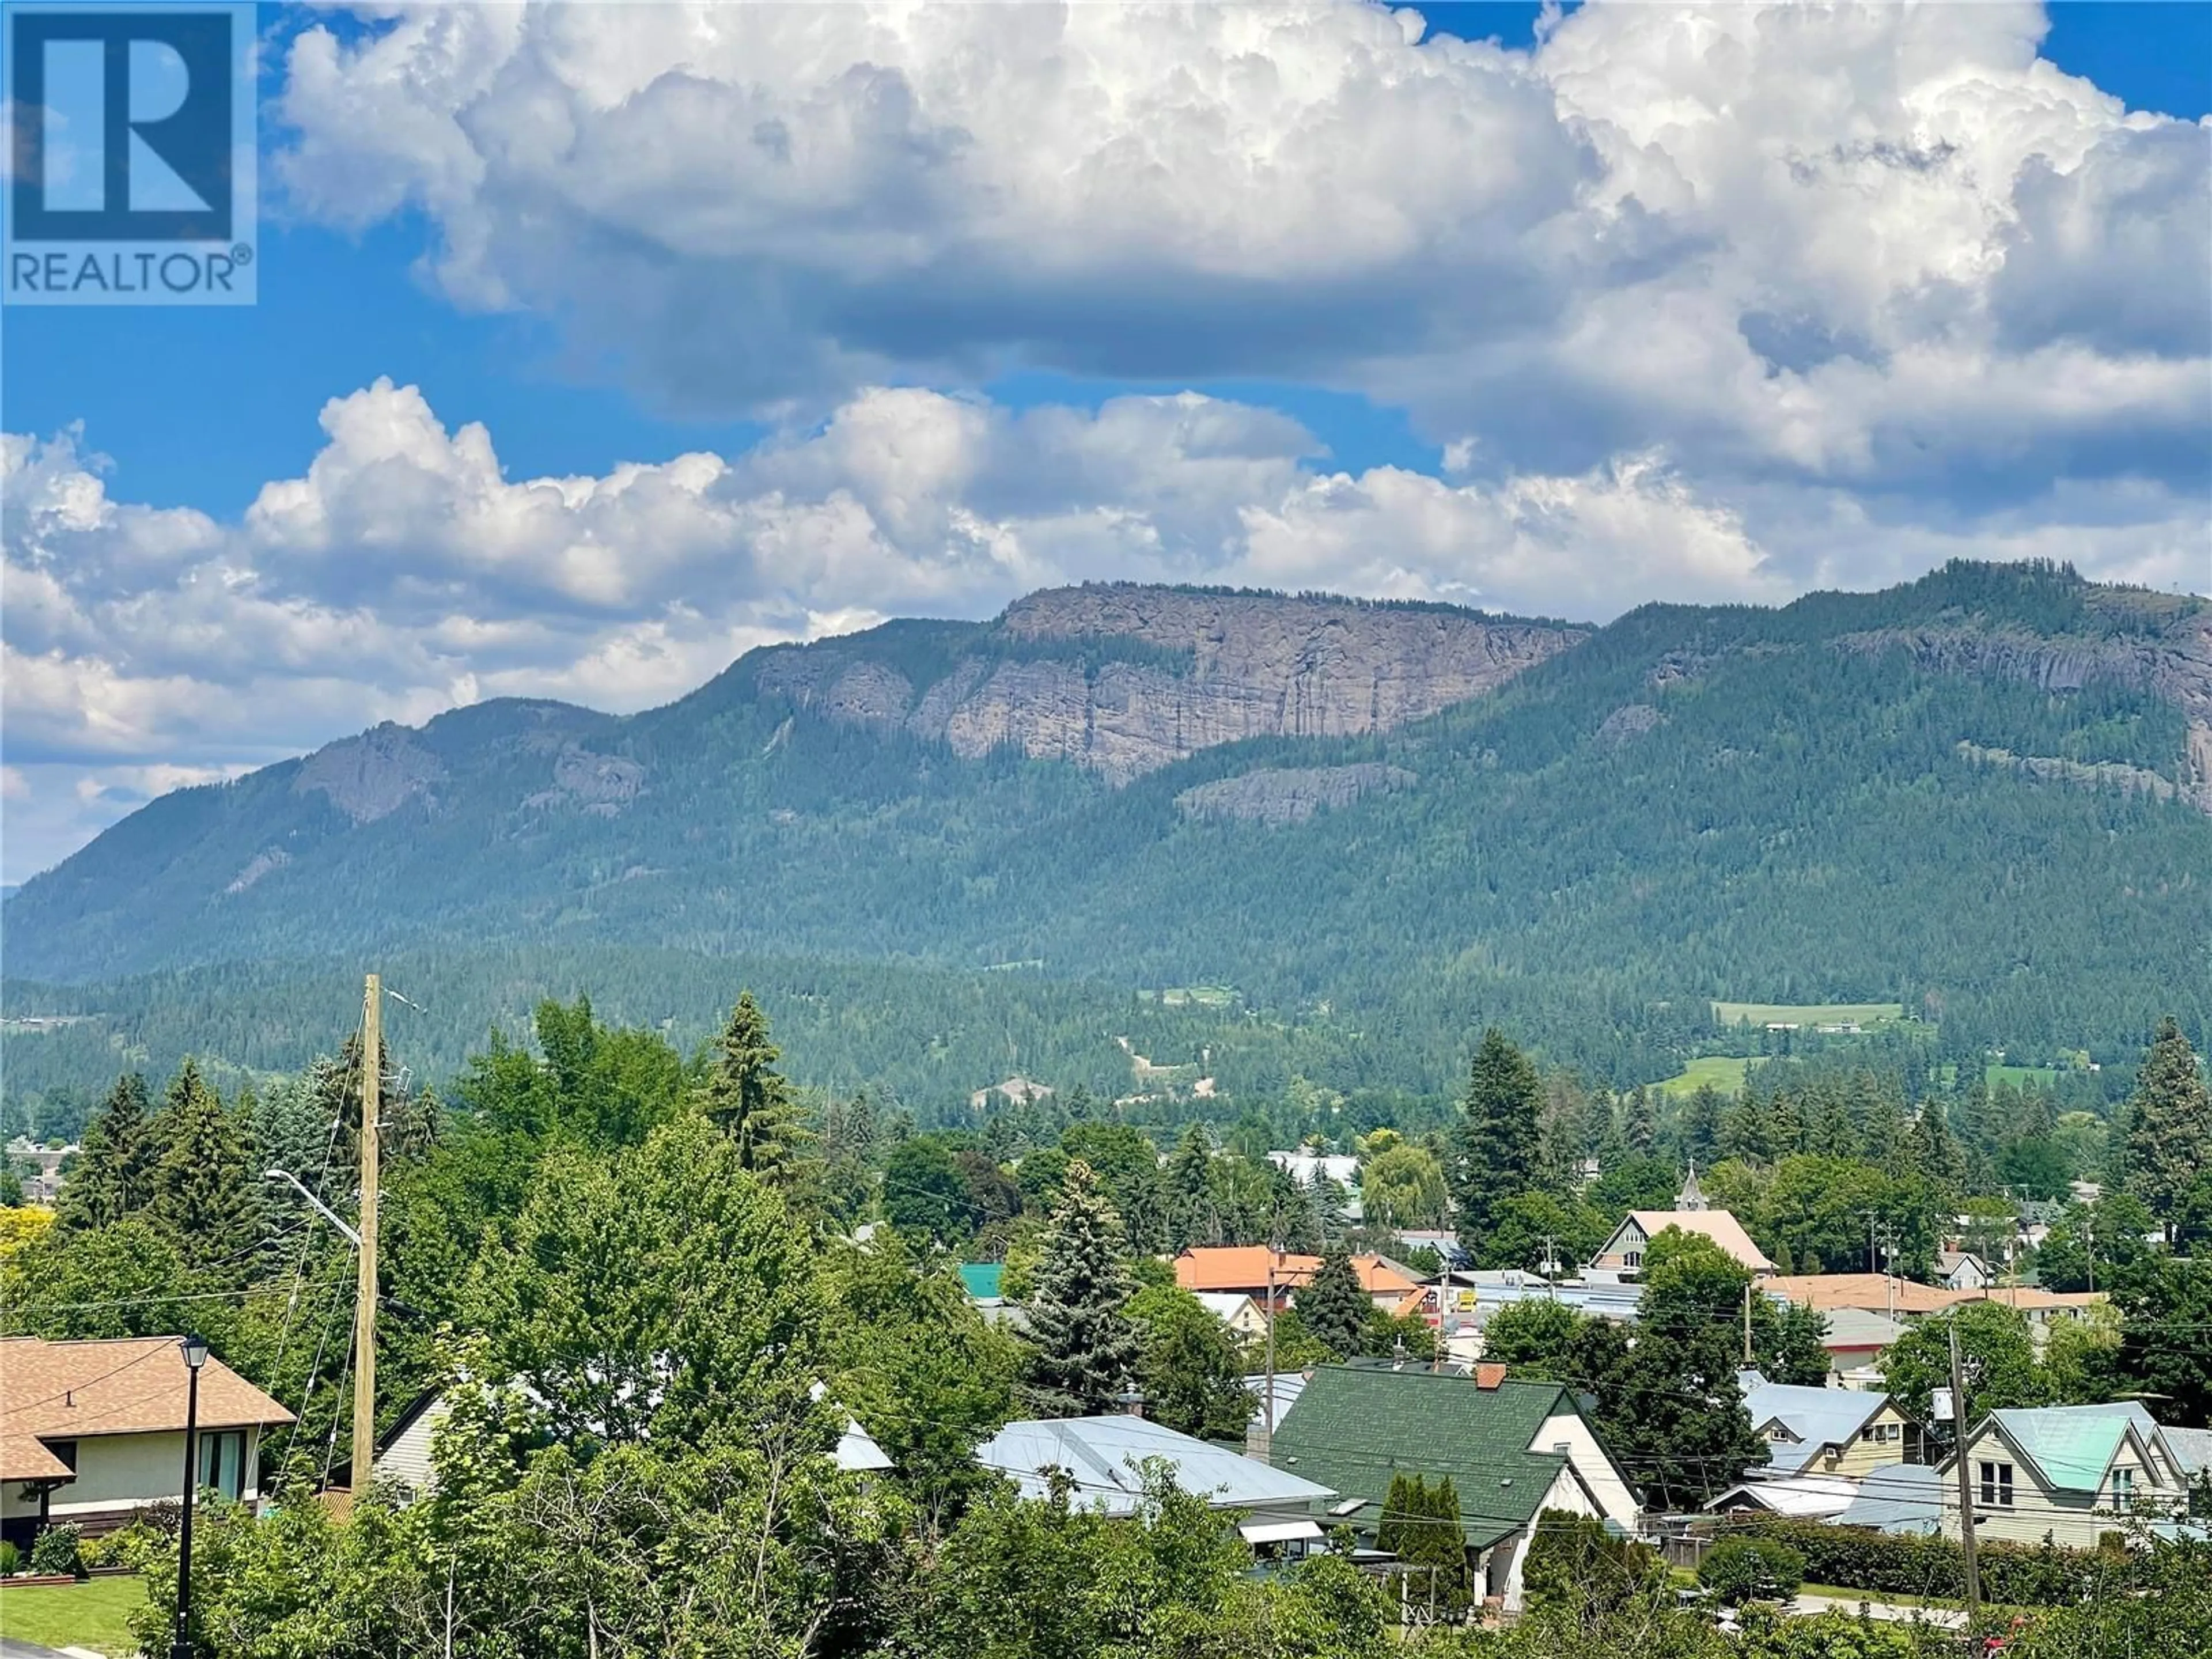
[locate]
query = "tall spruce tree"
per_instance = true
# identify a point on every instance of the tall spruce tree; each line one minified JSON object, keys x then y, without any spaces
{"x":2169,"y":1122}
{"x":114,"y":1173}
{"x":1498,"y":1139}
{"x":748,"y":1100}
{"x":1084,"y":1349}
{"x":206,"y":1193}
{"x":1332,"y":1306}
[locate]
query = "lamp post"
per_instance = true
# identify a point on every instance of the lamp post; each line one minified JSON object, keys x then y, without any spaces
{"x":195,"y":1350}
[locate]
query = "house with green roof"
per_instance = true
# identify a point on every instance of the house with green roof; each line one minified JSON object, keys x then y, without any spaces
{"x":2065,"y":1473}
{"x":1513,"y":1449}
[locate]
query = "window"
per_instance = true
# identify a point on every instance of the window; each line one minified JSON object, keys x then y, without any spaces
{"x":1630,"y":1258}
{"x":2123,"y":1490}
{"x":223,"y":1462}
{"x":1882,"y":1434}
{"x":1997,"y":1484}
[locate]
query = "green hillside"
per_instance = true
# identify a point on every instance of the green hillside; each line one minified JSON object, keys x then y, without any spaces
{"x":1694,"y":805}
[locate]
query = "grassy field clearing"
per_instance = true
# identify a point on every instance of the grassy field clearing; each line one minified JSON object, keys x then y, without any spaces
{"x":1808,"y":1014}
{"x":1723,"y":1072}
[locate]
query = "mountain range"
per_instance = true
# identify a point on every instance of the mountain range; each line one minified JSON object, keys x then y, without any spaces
{"x":1986,"y":795}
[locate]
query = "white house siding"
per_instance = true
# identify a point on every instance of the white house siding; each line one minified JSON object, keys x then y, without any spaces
{"x":1616,"y":1501}
{"x":116,"y":1473}
{"x":407,"y":1458}
{"x":2066,"y":1518}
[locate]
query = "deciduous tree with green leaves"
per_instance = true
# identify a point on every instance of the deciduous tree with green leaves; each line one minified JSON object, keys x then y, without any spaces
{"x":1191,"y":1376}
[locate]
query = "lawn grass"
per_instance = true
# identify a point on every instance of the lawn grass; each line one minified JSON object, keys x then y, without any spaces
{"x":2021,"y":1077}
{"x":93,"y":1614}
{"x":1808,"y":1014}
{"x":1723,"y":1072}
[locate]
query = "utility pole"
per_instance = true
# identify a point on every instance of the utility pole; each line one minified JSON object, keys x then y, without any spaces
{"x":364,"y":1318}
{"x":2089,"y":1248}
{"x":1965,"y":1481}
{"x":1267,"y":1454}
{"x":1870,"y":1216}
{"x":1747,"y":1327}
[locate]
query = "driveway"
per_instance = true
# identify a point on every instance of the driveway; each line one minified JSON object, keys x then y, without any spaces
{"x":1942,"y":1618}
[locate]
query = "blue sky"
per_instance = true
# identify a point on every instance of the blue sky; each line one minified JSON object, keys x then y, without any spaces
{"x":1466,"y":322}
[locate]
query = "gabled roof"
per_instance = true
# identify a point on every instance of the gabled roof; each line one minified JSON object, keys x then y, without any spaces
{"x":1815,"y":1418}
{"x":1723,"y":1228}
{"x":2192,"y":1448}
{"x":1287,"y":1387}
{"x":1240,"y":1267}
{"x":1801,"y":1497}
{"x":1224,"y":1305}
{"x":1101,"y":1455}
{"x":2072,"y":1446}
{"x":135,"y":1385}
{"x":1244,"y":1268}
{"x":1352,"y":1428}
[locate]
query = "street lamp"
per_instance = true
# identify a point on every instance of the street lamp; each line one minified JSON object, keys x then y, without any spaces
{"x":195,"y":1350}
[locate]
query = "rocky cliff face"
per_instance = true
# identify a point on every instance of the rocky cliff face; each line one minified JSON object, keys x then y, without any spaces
{"x":2173,"y":663}
{"x":1125,"y":679}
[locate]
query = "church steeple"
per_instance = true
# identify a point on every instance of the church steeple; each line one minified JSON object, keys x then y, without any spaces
{"x":1691,"y":1198}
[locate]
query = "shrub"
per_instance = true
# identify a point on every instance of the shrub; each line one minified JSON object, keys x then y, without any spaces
{"x":2014,"y":1575}
{"x":55,"y":1550}
{"x":1740,"y":1570}
{"x":11,"y":1558}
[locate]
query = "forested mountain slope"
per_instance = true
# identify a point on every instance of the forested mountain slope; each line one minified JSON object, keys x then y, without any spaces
{"x":1984,"y":794}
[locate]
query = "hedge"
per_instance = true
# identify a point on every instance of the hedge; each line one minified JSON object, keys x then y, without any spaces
{"x":1891,"y":1564}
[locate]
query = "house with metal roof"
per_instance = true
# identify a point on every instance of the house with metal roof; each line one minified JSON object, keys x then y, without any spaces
{"x":1828,"y":1432}
{"x":1898,"y":1497}
{"x":92,"y":1433}
{"x":1512,"y":1449}
{"x":2068,"y":1474}
{"x":1103,"y":1460}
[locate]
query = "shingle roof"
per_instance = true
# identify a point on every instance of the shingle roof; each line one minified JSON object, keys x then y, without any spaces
{"x":24,"y":1457}
{"x":1100,"y":1453}
{"x":1816,"y":1416}
{"x":1353,"y":1428}
{"x":136,"y":1385}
